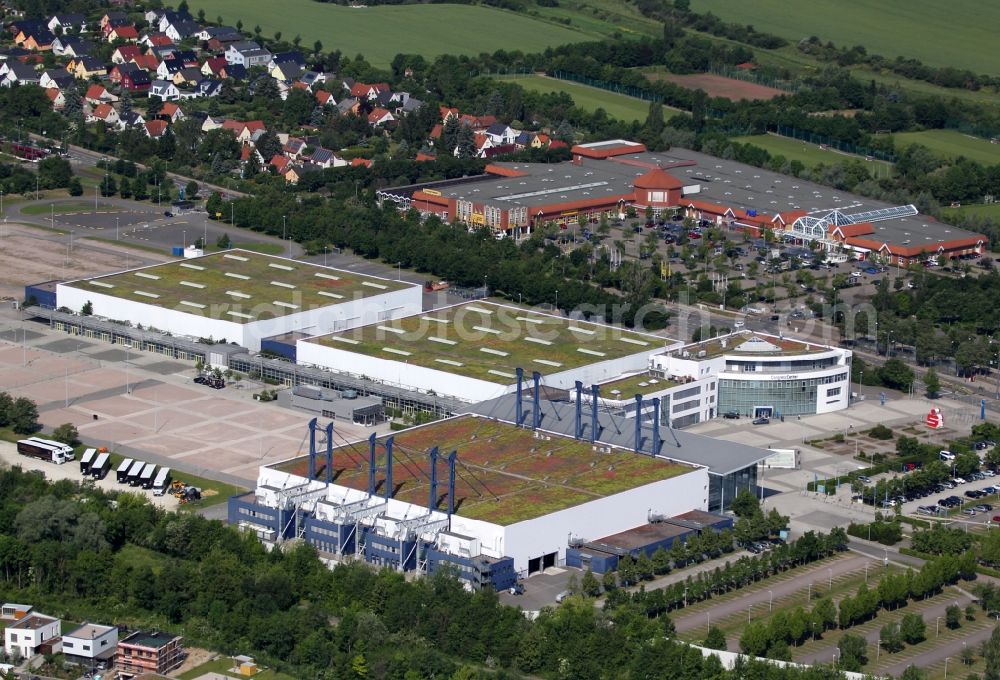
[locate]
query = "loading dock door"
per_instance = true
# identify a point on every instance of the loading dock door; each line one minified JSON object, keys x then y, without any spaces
{"x":534,"y":564}
{"x":549,"y":560}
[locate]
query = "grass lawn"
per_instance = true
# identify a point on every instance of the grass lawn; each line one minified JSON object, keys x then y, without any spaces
{"x":222,"y":666}
{"x":212,"y":492}
{"x":603,"y":17}
{"x":382,"y":32}
{"x":45,"y":208}
{"x":616,"y":105}
{"x":992,"y":210}
{"x":809,"y":154}
{"x":951,"y":144}
{"x":911,"y":28}
{"x":137,"y":556}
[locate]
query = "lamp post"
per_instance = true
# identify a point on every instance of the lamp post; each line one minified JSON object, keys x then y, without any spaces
{"x":770,"y":600}
{"x":830,"y":574}
{"x":116,"y":228}
{"x":749,"y":607}
{"x":127,"y":386}
{"x":937,"y":627}
{"x":946,"y":659}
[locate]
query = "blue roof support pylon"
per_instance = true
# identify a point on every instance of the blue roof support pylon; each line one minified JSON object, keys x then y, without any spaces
{"x":388,"y":467}
{"x":536,"y":401}
{"x":451,"y":482}
{"x":656,"y":426}
{"x":519,"y":399}
{"x":595,"y":392}
{"x":432,"y":496}
{"x":371,"y":464}
{"x":578,"y":424}
{"x":638,"y":423}
{"x":312,"y":448}
{"x":329,"y":452}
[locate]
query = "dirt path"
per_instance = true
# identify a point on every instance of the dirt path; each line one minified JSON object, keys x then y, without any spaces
{"x":757,"y":595}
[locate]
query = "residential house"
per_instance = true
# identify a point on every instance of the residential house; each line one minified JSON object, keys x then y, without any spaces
{"x":156,"y":128}
{"x":286,"y":71}
{"x":90,"y":644}
{"x":182,"y":30}
{"x":324,"y":98}
{"x":152,"y":16}
{"x":25,"y":26}
{"x":58,"y":78}
{"x":67,"y":23}
{"x":292,"y":147}
{"x":156,"y":39}
{"x":136,"y":81}
{"x":361,"y":162}
{"x":540,"y":141}
{"x":501,"y":134}
{"x":219,"y":33}
{"x":124,"y":54}
{"x":286,"y":58}
{"x":243,"y":131}
{"x":170,"y":112}
{"x":113,"y":18}
{"x":237,"y":72}
{"x":188,"y":57}
{"x":187,"y":76}
{"x":71,"y":46}
{"x":523,"y":139}
{"x":104,"y":113}
{"x":208,"y":88}
{"x":12,"y":611}
{"x":27,"y":635}
{"x":279,"y":162}
{"x":324,"y":158}
{"x":162,"y":52}
{"x":165,"y":90}
{"x":348,"y":107}
{"x":368,"y":91}
{"x":168,"y":67}
{"x":127,"y":33}
{"x":380,"y":117}
{"x":16,"y":73}
{"x":87,"y":67}
{"x":407,"y":107}
{"x":447,"y":113}
{"x":213,"y":66}
{"x":209,"y":124}
{"x":312,"y":79}
{"x":36,"y":41}
{"x":56,"y":97}
{"x":247,"y":54}
{"x":147,"y":62}
{"x":144,"y":652}
{"x":130,"y":120}
{"x":98,"y":94}
{"x":169,"y":18}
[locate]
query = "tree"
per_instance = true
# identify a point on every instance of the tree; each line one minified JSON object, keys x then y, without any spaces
{"x":932,"y":383}
{"x":87,"y":309}
{"x":715,"y":639}
{"x":75,"y":188}
{"x":896,"y":375}
{"x":318,"y":46}
{"x":891,"y":638}
{"x":589,"y":584}
{"x":853,"y":652}
{"x":953,"y":616}
{"x":67,"y":434}
{"x":991,"y":653}
{"x":913,"y":673}
{"x":745,"y":504}
{"x":191,"y":190}
{"x":912,"y":628}
{"x":609,"y":581}
{"x":466,"y":142}
{"x":23,"y":416}
{"x":223,"y":242}
{"x":108,"y":186}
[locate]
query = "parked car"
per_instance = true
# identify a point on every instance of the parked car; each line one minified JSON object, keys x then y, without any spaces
{"x":517,"y":589}
{"x":969,"y":511}
{"x":946,"y":455}
{"x":731,"y":415}
{"x":864,"y":480}
{"x":959,"y":480}
{"x":761,"y":421}
{"x":984,"y":507}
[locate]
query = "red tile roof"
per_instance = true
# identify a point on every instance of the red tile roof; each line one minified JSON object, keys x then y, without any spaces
{"x":849,"y":230}
{"x":658,"y":179}
{"x":361,"y":161}
{"x":503,"y":171}
{"x":156,"y":128}
{"x":95,"y":91}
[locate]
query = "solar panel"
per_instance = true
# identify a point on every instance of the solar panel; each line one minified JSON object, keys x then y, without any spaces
{"x":883,"y":214}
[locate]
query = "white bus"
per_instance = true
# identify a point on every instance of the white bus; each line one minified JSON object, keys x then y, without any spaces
{"x":162,"y":482}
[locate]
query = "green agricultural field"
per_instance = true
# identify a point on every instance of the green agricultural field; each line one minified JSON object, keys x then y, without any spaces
{"x":380,"y":33}
{"x":992,"y":211}
{"x":952,"y":144}
{"x":487,"y":341}
{"x":808,"y":154}
{"x":239,"y":286}
{"x":959,"y":33}
{"x":588,"y":98}
{"x":603,"y":17}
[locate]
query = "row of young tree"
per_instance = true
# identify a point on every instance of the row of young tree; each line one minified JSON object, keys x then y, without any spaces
{"x":733,"y":575}
{"x":785,"y":628}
